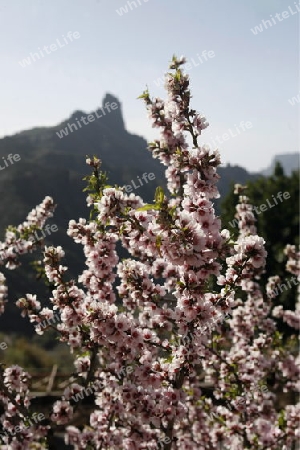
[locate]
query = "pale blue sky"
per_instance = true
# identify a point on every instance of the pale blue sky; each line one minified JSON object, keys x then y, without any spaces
{"x":250,"y":78}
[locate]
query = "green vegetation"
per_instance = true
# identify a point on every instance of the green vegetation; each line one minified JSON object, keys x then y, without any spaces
{"x":41,"y":353}
{"x":278,"y":223}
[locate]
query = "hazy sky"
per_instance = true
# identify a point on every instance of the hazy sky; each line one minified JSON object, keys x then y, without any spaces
{"x":246,"y":77}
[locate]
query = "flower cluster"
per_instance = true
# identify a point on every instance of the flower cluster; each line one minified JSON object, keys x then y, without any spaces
{"x":21,"y":240}
{"x":19,"y":431}
{"x":292,"y":318}
{"x":149,"y":331}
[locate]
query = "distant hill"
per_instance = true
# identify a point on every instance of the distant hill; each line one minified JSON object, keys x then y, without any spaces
{"x":53,"y":165}
{"x":233,"y":174}
{"x":289,"y":162}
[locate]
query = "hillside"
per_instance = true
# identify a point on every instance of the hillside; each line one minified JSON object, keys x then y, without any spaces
{"x":289,"y":162}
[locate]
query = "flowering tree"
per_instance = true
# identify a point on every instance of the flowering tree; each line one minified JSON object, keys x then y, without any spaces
{"x":148,"y":332}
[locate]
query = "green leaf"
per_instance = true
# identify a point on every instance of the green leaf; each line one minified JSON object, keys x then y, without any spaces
{"x":169,"y":359}
{"x":159,"y":195}
{"x":144,"y":95}
{"x":147,"y":207}
{"x":158,"y":241}
{"x":281,"y":420}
